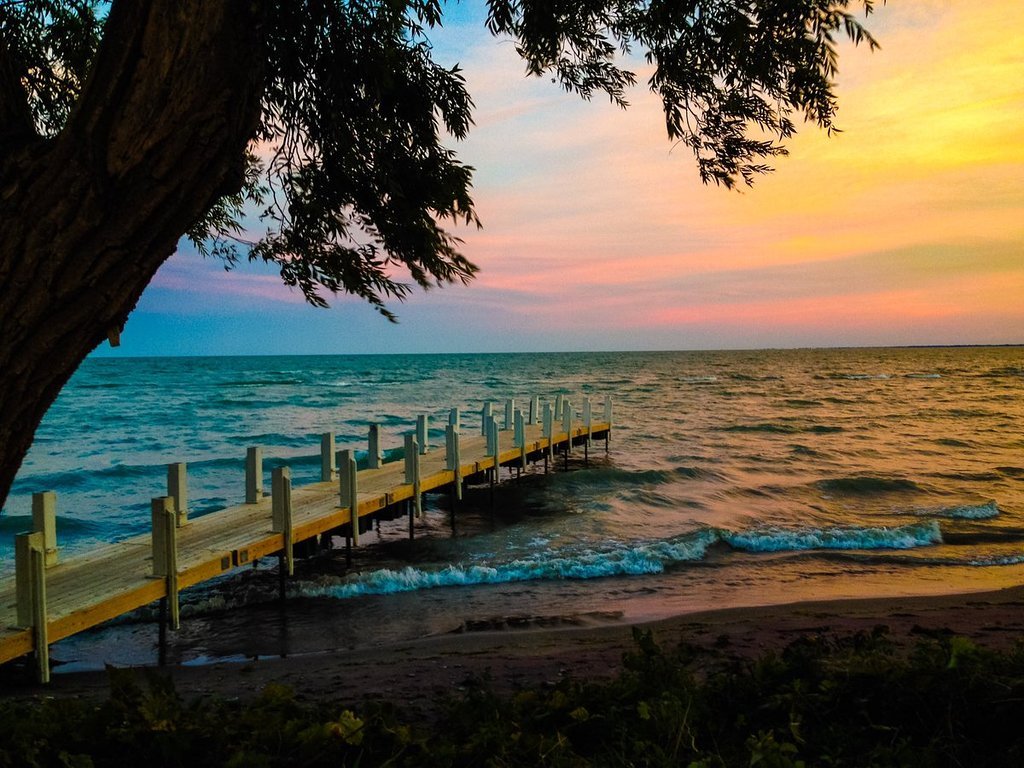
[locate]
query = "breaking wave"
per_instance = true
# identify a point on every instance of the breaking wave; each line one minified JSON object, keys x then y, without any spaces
{"x":638,"y":558}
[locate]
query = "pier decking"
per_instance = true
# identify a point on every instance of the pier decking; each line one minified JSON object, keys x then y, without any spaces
{"x":51,"y":599}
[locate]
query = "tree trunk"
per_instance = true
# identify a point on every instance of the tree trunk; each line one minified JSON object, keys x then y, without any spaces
{"x":158,"y":134}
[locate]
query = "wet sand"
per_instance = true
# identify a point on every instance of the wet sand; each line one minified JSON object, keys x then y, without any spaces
{"x":418,"y":675}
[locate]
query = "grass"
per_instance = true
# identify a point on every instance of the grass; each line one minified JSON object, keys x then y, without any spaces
{"x":854,"y":701}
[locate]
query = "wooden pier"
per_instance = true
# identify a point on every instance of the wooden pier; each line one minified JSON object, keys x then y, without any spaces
{"x":51,"y":598}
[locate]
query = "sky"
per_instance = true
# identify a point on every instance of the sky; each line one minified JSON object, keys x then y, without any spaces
{"x":907,"y":228}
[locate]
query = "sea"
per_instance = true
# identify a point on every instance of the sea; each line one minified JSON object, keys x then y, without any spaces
{"x":730,"y":478}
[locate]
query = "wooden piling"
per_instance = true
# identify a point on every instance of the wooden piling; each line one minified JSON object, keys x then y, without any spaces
{"x":531,"y":417}
{"x":281,"y":511}
{"x":519,"y":437}
{"x":30,"y":573}
{"x":607,"y":420}
{"x":493,"y":447}
{"x":165,"y":552}
{"x":375,"y":457}
{"x":253,"y":474}
{"x":548,"y":431}
{"x":485,"y":415}
{"x":177,"y":489}
{"x":328,"y":469}
{"x":455,"y":418}
{"x":453,"y":457}
{"x":588,"y":418}
{"x":412,"y":471}
{"x":348,"y":489}
{"x":44,"y":521}
{"x":422,"y":433}
{"x":567,"y":425}
{"x":510,"y":409}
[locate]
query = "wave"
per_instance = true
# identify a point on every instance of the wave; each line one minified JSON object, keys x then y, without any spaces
{"x":642,"y":558}
{"x":922,"y":375}
{"x":605,"y":478}
{"x":866,"y":485}
{"x":984,"y":511}
{"x":985,"y":562}
{"x":262,"y":383}
{"x":783,"y":540}
{"x":853,"y":376}
{"x":783,"y":429}
{"x":633,"y":559}
{"x":67,"y":527}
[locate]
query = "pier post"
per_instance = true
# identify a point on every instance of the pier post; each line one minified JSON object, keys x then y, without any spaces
{"x":422,"y":432}
{"x":453,"y":457}
{"x":519,"y":437}
{"x":328,"y":470}
{"x":588,"y":425}
{"x":253,"y":475}
{"x":485,"y":415}
{"x":588,"y":417}
{"x":177,"y":489}
{"x":44,"y":521}
{"x":375,"y":458}
{"x":165,"y":551}
{"x":607,"y":420}
{"x":548,"y":431}
{"x":348,"y":489}
{"x":412,"y":472}
{"x":534,"y":410}
{"x":281,"y":511}
{"x":455,"y":418}
{"x":559,"y":405}
{"x":567,"y":425}
{"x":510,"y":409}
{"x":30,"y":578}
{"x":494,"y":445}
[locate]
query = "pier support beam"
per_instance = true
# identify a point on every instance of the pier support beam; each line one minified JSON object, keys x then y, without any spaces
{"x":165,"y":552}
{"x":177,"y":489}
{"x":253,"y":475}
{"x":281,"y":512}
{"x":30,"y":577}
{"x":531,"y":417}
{"x":328,"y":470}
{"x":44,"y":521}
{"x":510,"y":409}
{"x":455,"y":419}
{"x":348,"y":489}
{"x":375,"y":457}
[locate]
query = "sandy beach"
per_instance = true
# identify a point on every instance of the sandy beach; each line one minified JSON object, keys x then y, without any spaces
{"x":417,"y":675}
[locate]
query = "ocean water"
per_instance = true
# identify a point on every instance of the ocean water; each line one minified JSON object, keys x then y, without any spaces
{"x":731,"y":478}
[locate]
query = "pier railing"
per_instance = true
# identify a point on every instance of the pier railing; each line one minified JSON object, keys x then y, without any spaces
{"x":53,"y":597}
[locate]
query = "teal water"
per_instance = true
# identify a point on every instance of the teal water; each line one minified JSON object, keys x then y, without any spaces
{"x":732,"y":478}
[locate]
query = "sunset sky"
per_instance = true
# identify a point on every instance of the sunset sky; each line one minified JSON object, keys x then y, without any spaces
{"x":907,"y":228}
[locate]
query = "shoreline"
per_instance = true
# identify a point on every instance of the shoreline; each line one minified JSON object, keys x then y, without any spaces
{"x":418,"y":674}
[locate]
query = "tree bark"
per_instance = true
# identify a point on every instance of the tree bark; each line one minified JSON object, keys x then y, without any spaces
{"x":158,"y":134}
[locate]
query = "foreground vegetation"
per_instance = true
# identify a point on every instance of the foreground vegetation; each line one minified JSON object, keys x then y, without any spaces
{"x":857,"y":701}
